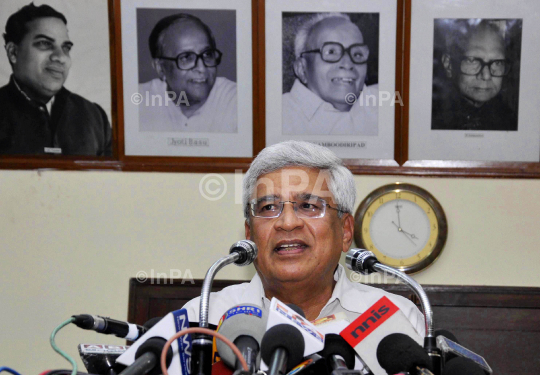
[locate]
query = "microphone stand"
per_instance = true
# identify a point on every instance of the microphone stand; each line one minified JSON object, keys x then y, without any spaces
{"x":241,"y":253}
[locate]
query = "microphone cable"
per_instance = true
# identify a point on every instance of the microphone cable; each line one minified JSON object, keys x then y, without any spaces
{"x":60,"y":351}
{"x":10,"y":370}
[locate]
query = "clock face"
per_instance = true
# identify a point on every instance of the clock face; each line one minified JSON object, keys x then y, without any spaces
{"x":403,"y":225}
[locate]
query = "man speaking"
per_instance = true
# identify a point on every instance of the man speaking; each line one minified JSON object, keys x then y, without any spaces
{"x":38,"y":115}
{"x":298,"y":200}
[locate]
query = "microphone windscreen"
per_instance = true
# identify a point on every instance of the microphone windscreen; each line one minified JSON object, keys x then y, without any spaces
{"x":297,"y":310}
{"x":336,"y":345}
{"x":462,"y":366}
{"x":446,"y":333}
{"x":241,"y":320}
{"x":287,"y":337}
{"x":398,"y":352}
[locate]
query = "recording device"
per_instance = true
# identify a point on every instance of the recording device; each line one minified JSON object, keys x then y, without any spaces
{"x":282,"y":348}
{"x":172,"y":323}
{"x":245,"y":326}
{"x":241,"y":253}
{"x":451,"y":349}
{"x":366,"y":332}
{"x":100,"y":358}
{"x":462,"y":366}
{"x":109,"y":326}
{"x":400,"y":353}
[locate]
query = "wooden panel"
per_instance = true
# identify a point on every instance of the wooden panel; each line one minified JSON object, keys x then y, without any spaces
{"x":500,"y":323}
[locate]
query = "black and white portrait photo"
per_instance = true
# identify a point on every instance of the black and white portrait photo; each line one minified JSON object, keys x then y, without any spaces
{"x":476,"y":69}
{"x":187,"y":70}
{"x":330,"y":73}
{"x":55,"y":89}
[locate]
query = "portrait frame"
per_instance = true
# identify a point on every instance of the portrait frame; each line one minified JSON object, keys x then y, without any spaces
{"x":470,"y":152}
{"x":207,"y":151}
{"x":95,"y":54}
{"x":362,"y":154}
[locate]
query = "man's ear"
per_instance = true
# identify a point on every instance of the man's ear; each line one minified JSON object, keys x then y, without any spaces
{"x":157,"y":65}
{"x":248,"y":230}
{"x":11,"y":50}
{"x":299,"y":67}
{"x":348,"y":231}
{"x":447,"y":63}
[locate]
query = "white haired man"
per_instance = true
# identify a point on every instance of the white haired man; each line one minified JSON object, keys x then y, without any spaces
{"x":330,"y":69}
{"x":298,"y":200}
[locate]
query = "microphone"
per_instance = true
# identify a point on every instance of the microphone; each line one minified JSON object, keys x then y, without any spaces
{"x":100,"y":358}
{"x":282,"y":348}
{"x":147,"y":358}
{"x":280,"y":313}
{"x":380,"y":320}
{"x":245,"y":326}
{"x":339,"y":356}
{"x":241,"y":253}
{"x":451,"y":349}
{"x":109,"y":326}
{"x":399,"y":353}
{"x":462,"y":366}
{"x":365,"y":262}
{"x":157,"y":336}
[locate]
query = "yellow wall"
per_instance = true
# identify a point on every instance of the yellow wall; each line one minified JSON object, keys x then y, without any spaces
{"x":70,"y":241}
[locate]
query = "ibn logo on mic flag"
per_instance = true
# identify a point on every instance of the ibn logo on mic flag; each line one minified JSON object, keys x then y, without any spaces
{"x":380,"y":320}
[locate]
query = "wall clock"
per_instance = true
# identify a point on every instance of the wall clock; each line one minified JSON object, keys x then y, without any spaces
{"x":403,"y":225}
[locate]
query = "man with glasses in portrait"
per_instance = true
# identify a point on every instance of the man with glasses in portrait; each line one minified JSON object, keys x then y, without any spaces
{"x":475,"y":64}
{"x":188,"y":96}
{"x":329,"y":95}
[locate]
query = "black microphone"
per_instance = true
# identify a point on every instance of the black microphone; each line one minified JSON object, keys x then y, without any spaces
{"x":339,"y":355}
{"x":109,"y":326}
{"x":282,"y":348}
{"x":147,"y":358}
{"x":400,"y":353}
{"x":462,"y":366}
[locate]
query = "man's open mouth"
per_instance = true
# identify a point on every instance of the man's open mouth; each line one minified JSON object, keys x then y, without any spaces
{"x":345,"y":80}
{"x":290,"y":247}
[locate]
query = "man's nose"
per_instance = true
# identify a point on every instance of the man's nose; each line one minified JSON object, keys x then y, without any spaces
{"x":59,"y":55}
{"x":346,"y":62}
{"x":485,"y":74}
{"x":199,"y":64}
{"x":288,"y":220}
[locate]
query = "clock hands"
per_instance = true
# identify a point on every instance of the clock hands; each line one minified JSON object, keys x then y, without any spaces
{"x":410,"y":236}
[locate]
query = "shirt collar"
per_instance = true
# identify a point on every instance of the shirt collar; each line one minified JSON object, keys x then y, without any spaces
{"x":47,"y":105}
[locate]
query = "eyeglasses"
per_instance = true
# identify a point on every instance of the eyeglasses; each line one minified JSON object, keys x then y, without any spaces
{"x":188,"y":60}
{"x":307,"y":208}
{"x":333,"y":52}
{"x":472,"y":66}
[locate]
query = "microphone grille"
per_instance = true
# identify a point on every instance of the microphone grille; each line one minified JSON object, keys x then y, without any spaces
{"x":247,"y":250}
{"x":355,"y":259}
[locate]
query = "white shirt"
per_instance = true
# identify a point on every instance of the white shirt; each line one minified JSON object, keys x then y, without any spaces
{"x":159,"y":113}
{"x":353,"y":299}
{"x":305,"y":113}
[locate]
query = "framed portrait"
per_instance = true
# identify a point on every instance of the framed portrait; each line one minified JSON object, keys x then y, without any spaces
{"x":187,"y":78}
{"x":472,"y":95}
{"x":331,"y":76}
{"x":56,"y":86}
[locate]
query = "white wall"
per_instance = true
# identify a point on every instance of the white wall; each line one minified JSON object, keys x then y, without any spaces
{"x":70,"y":241}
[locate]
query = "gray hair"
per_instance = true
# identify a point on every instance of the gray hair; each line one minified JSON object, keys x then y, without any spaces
{"x":302,"y":154}
{"x":304,"y":30}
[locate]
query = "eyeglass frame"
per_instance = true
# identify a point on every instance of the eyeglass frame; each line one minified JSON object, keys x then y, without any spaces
{"x":483,"y":64}
{"x":197,"y":55}
{"x":295,"y":208}
{"x":347,"y":50}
